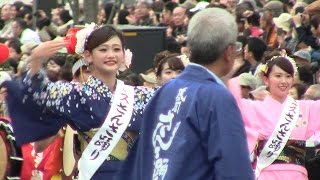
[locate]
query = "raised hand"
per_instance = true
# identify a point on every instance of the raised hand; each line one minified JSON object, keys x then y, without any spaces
{"x":44,"y":51}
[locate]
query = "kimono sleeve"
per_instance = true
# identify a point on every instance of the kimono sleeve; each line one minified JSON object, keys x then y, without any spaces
{"x":30,"y":121}
{"x":313,"y":110}
{"x":247,"y":108}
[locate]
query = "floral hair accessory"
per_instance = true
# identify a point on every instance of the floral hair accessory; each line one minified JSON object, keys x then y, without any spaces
{"x":293,"y":63}
{"x":82,"y":37}
{"x":264,"y":67}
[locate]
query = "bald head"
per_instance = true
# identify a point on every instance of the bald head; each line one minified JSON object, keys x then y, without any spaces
{"x":179,"y":14}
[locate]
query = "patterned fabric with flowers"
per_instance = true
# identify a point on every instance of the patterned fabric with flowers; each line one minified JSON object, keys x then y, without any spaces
{"x":83,"y":106}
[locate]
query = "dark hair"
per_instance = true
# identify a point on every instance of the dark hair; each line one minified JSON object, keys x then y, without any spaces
{"x":107,"y":7}
{"x":14,"y":64}
{"x":315,"y":21}
{"x":242,"y":7}
{"x":162,"y":55}
{"x":282,"y":63}
{"x":301,"y":89}
{"x":28,"y":16}
{"x":254,"y":19}
{"x":15,"y":44}
{"x":305,"y":75}
{"x":65,"y":16}
{"x":123,"y":13}
{"x":102,"y":35}
{"x":21,"y":23}
{"x":129,"y":78}
{"x":169,"y":6}
{"x":59,"y":58}
{"x":299,"y":9}
{"x":66,"y":73}
{"x":172,"y":45}
{"x":257,"y":46}
{"x":269,"y":54}
{"x":25,"y":9}
{"x":174,"y":63}
{"x":18,"y":5}
{"x":244,"y":40}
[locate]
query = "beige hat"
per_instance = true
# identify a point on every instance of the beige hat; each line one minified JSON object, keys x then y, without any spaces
{"x":188,"y":4}
{"x":283,"y":21}
{"x":28,"y":47}
{"x":150,"y":78}
{"x":247,"y":79}
{"x":276,"y":7}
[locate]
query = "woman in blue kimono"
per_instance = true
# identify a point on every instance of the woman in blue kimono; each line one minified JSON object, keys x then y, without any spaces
{"x":39,"y":108}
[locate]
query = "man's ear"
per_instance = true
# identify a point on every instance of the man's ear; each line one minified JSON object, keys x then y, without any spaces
{"x":227,"y":54}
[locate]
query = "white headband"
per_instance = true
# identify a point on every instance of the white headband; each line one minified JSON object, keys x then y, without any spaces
{"x":77,"y":65}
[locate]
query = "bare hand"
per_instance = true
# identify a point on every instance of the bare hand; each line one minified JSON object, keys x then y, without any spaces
{"x":247,"y":13}
{"x":297,"y":19}
{"x":44,"y":51}
{"x":169,"y":31}
{"x":47,"y":49}
{"x":181,"y":38}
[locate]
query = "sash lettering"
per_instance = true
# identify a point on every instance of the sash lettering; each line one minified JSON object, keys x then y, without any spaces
{"x":280,"y":135}
{"x":109,"y":133}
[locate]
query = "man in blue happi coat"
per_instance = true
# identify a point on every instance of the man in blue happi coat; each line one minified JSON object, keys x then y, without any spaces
{"x":192,"y":127}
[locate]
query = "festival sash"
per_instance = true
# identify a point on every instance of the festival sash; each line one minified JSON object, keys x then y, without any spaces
{"x":103,"y":142}
{"x":280,"y":135}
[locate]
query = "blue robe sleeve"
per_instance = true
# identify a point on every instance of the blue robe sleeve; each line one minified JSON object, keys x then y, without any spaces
{"x":30,"y":121}
{"x":226,"y":139}
{"x":39,"y":109}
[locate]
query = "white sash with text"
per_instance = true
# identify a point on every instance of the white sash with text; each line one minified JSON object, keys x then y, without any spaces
{"x":280,"y":135}
{"x":103,"y":142}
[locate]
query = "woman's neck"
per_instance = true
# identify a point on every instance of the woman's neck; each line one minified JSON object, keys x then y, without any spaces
{"x":108,"y":79}
{"x":111,"y":83}
{"x":280,"y":99}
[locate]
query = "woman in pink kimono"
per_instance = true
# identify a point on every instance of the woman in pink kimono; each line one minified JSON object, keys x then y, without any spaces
{"x":278,"y":126}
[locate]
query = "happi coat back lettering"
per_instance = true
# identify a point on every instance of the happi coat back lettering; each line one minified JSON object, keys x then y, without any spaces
{"x":192,"y":129}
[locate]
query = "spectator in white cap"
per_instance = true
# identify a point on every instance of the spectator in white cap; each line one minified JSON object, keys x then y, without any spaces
{"x":284,"y":32}
{"x":248,"y":83}
{"x":149,"y":78}
{"x":302,"y":58}
{"x":200,"y":6}
{"x":20,"y":30}
{"x":26,"y":50}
